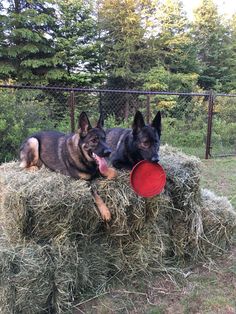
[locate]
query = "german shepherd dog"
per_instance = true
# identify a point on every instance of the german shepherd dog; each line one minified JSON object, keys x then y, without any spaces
{"x":80,"y":155}
{"x":129,"y":146}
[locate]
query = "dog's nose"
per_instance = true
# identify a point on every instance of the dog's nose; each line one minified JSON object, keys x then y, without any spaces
{"x":107,"y":152}
{"x":155,"y":159}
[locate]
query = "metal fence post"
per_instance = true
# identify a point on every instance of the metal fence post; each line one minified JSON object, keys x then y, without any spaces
{"x":148,"y":111}
{"x":100,"y":103}
{"x":209,"y":124}
{"x":126,"y":113}
{"x":71,"y":102}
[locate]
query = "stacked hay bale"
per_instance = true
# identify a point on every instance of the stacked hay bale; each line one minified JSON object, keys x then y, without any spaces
{"x":26,"y":274}
{"x":55,"y":249}
{"x":183,"y":187}
{"x":55,"y":215}
{"x":218,"y":223}
{"x":202,"y":223}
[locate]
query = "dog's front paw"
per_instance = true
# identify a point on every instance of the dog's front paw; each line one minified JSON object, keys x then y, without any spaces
{"x":105,"y":214}
{"x":103,"y":209}
{"x":32,"y":168}
{"x":111,"y":173}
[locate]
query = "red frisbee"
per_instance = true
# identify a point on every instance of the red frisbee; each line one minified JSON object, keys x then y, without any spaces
{"x":147,"y":179}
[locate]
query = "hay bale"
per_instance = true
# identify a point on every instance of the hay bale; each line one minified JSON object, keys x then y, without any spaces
{"x":139,"y":254}
{"x":186,"y":229}
{"x":51,"y":220}
{"x":129,"y":211}
{"x":26,"y":283}
{"x":183,"y":187}
{"x":7,"y":291}
{"x":143,"y":251}
{"x":43,"y":205}
{"x":207,"y":231}
{"x":183,"y":177}
{"x":219,"y":223}
{"x":80,"y":270}
{"x":37,"y":278}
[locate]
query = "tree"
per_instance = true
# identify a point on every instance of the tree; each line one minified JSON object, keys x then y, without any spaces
{"x":123,"y":40}
{"x":175,"y":67}
{"x":173,"y":41}
{"x":76,"y":41}
{"x":213,"y":46}
{"x":27,"y":50}
{"x":230,"y":82}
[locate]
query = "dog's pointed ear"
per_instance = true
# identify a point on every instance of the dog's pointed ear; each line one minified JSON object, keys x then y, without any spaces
{"x":100,"y":123}
{"x":156,"y":123}
{"x":84,"y":124}
{"x":138,"y":122}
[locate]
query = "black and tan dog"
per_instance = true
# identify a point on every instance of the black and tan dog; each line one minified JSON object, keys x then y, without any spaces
{"x":129,"y":146}
{"x":80,"y":155}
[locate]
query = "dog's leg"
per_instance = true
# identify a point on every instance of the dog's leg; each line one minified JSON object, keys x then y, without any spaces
{"x":104,"y":211}
{"x":29,"y":155}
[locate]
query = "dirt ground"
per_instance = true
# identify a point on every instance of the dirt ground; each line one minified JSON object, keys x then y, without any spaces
{"x":207,"y":288}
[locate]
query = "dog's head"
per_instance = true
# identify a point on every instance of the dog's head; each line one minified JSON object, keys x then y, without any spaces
{"x":147,"y":137}
{"x":93,"y":140}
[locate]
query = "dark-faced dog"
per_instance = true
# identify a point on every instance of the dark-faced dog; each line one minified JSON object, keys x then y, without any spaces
{"x":129,"y":146}
{"x":80,"y":155}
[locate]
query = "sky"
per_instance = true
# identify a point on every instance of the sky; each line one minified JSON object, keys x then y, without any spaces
{"x":227,"y":7}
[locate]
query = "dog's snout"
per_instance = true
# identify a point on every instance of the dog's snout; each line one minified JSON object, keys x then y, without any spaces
{"x":107,"y":152}
{"x":155,"y":159}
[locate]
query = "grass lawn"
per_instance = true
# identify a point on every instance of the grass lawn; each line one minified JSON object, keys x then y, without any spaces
{"x":208,"y":288}
{"x":219,"y":175}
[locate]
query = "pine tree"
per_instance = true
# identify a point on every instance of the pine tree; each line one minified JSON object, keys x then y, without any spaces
{"x":76,"y":41}
{"x":27,"y":50}
{"x":175,"y":67}
{"x":123,"y":41}
{"x":230,"y":83}
{"x":213,"y":46}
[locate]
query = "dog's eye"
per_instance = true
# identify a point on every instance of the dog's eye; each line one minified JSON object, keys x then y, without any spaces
{"x":94,"y":140}
{"x":146,"y":144}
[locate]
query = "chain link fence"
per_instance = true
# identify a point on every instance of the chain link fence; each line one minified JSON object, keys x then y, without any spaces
{"x":202,"y":124}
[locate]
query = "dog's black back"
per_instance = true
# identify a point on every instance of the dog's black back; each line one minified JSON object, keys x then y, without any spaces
{"x":129,"y":146}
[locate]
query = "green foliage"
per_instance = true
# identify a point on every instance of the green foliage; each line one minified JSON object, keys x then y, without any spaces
{"x":174,"y":44}
{"x":144,"y":44}
{"x":225,"y":108}
{"x":160,"y":79}
{"x":75,"y":44}
{"x":27,"y":48}
{"x":21,"y":114}
{"x":123,"y":41}
{"x":190,"y":136}
{"x":224,"y":133}
{"x":112,"y":122}
{"x":214,"y":47}
{"x":181,"y":133}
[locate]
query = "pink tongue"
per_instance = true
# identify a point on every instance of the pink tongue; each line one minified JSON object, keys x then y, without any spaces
{"x":102,"y":164}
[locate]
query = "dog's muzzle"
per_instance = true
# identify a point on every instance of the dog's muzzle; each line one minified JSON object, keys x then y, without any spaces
{"x":106,"y":152}
{"x":155,"y":159}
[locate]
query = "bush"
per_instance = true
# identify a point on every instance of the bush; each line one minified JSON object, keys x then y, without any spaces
{"x":180,"y":133}
{"x":21,"y":114}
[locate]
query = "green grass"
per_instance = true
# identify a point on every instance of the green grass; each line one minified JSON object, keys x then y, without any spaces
{"x":219,"y":175}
